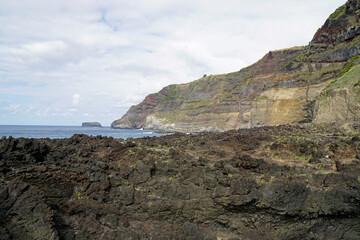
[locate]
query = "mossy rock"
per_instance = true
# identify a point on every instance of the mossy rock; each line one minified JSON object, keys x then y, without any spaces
{"x":338,"y":12}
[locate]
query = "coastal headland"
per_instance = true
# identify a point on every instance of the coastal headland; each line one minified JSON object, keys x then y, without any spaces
{"x":316,"y":83}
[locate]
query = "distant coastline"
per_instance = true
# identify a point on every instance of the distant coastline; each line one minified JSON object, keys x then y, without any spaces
{"x":43,"y":131}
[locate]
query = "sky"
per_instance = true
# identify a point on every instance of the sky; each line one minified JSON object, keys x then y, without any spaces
{"x":64,"y":62}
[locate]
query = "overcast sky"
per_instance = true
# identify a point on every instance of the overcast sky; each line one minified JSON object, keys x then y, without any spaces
{"x":63,"y":62}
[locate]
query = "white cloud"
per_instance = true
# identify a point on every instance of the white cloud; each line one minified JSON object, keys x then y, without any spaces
{"x":11,"y":109}
{"x":44,"y":47}
{"x":73,"y":110}
{"x":114,"y":53}
{"x":76,"y":99}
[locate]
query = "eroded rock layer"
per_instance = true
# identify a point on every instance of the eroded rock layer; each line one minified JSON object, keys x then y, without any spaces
{"x":285,"y":86}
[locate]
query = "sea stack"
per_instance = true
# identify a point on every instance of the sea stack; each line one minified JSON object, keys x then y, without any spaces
{"x":91,"y":124}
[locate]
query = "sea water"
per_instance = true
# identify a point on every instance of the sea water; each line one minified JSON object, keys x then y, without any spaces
{"x":28,"y":131}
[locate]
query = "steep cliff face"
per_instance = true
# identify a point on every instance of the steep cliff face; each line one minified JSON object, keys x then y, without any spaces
{"x":340,"y":100}
{"x":341,"y":26}
{"x":285,"y":86}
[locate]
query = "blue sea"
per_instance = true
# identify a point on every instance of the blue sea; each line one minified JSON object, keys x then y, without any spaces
{"x":67,"y":131}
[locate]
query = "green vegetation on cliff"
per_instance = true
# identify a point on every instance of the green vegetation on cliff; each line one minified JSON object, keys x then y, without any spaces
{"x":340,"y":100}
{"x":339,"y":11}
{"x":349,"y":74}
{"x":171,"y":95}
{"x":301,"y":73}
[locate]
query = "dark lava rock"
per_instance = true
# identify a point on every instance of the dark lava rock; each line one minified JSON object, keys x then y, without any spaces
{"x":193,"y":187}
{"x":314,"y":160}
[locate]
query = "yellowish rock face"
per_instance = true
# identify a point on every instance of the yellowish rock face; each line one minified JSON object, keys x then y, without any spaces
{"x":285,"y":86}
{"x":283,"y":106}
{"x":279,"y":106}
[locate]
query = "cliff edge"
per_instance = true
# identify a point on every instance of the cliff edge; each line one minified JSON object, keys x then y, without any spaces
{"x":292,"y":85}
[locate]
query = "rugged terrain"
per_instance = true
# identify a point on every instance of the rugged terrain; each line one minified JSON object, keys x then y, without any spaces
{"x":285,"y":182}
{"x":317,"y":83}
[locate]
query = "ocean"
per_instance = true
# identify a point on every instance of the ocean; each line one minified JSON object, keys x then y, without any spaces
{"x":28,"y":131}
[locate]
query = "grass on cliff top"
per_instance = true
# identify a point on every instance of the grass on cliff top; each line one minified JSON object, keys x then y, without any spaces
{"x":222,"y":86}
{"x":338,"y":12}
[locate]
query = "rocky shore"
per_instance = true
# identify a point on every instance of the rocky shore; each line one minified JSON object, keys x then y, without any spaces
{"x":285,"y":182}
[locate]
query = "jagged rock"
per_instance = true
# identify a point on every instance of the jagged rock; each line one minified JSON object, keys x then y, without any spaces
{"x":202,"y":186}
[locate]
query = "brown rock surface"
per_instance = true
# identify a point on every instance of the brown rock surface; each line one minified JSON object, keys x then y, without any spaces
{"x":286,"y":182}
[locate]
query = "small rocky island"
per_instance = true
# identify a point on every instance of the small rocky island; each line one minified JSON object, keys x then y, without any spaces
{"x":91,"y":124}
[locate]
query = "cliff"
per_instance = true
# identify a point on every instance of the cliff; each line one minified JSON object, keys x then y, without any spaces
{"x":286,"y":86}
